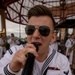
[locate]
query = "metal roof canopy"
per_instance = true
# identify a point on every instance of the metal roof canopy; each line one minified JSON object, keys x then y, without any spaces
{"x":69,"y":23}
{"x":16,"y":10}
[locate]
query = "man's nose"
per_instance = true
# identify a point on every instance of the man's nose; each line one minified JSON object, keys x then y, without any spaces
{"x":36,"y":33}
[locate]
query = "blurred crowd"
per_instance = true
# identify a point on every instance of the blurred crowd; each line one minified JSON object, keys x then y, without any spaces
{"x":6,"y":43}
{"x":67,"y":48}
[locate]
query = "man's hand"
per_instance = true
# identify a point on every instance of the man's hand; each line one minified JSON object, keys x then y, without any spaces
{"x":19,"y":58}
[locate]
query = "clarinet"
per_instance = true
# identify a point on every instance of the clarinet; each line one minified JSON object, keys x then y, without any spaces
{"x":28,"y":68}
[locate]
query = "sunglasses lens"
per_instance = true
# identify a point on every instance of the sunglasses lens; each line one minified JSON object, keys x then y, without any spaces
{"x":44,"y":30}
{"x":29,"y":29}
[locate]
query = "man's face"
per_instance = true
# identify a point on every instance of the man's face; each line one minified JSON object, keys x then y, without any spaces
{"x":36,"y":36}
{"x":72,"y":36}
{"x":3,"y":35}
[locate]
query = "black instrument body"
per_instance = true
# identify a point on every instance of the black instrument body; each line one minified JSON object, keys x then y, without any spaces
{"x":28,"y":68}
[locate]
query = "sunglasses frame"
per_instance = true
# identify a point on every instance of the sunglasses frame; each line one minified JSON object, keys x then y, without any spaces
{"x":43,"y":30}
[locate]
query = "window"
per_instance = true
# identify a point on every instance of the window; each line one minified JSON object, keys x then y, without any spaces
{"x":70,"y":30}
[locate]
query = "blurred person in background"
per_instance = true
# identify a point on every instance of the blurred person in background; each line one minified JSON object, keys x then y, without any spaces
{"x":69,"y":43}
{"x":54,"y":42}
{"x":2,"y":44}
{"x":13,"y":40}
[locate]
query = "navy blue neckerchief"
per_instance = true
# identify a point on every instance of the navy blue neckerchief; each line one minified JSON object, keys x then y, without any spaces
{"x":46,"y":64}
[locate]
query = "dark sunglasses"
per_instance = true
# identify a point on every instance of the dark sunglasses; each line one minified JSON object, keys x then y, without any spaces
{"x":43,"y":30}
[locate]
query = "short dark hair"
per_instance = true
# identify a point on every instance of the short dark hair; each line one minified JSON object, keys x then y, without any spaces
{"x":1,"y":35}
{"x":40,"y":10}
{"x":72,"y":34}
{"x":12,"y":34}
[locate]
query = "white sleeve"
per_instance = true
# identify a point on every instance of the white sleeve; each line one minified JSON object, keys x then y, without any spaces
{"x":0,"y":40}
{"x":68,"y":44}
{"x":7,"y":71}
{"x":65,"y":67}
{"x":4,"y":62}
{"x":9,"y":41}
{"x":6,"y":59}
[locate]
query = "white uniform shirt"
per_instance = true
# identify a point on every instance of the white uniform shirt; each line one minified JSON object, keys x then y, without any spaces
{"x":55,"y":63}
{"x":69,"y":43}
{"x":12,"y":42}
{"x":1,"y":48}
{"x":1,"y":41}
{"x":54,"y":45}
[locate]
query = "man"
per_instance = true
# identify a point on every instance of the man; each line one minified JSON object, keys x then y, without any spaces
{"x":54,"y":41}
{"x":12,"y":41}
{"x":48,"y":61}
{"x":2,"y":44}
{"x":69,"y":43}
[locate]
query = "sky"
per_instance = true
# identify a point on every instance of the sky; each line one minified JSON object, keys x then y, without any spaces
{"x":15,"y":28}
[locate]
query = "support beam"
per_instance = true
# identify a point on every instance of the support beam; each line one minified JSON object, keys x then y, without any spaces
{"x":2,"y":13}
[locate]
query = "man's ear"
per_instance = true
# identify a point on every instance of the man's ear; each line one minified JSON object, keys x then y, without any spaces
{"x":52,"y":39}
{"x":53,"y":35}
